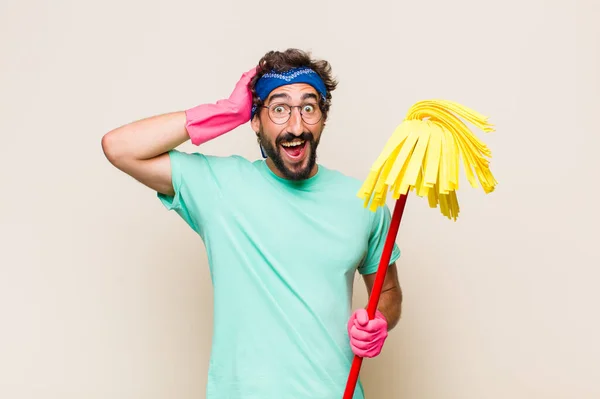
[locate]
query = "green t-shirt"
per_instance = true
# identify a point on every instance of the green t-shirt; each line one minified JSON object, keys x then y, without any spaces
{"x":282,"y":258}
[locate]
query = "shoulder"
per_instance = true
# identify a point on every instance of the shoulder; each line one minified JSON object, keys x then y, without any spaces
{"x":348,"y":187}
{"x":340,"y":181}
{"x":210,"y":171}
{"x":198,"y":157}
{"x":345,"y":189}
{"x":197,"y":160}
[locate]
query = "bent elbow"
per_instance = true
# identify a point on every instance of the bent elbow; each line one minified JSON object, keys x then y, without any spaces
{"x":110,"y":148}
{"x":107,"y":148}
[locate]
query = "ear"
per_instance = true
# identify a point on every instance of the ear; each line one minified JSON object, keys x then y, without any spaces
{"x":255,"y":124}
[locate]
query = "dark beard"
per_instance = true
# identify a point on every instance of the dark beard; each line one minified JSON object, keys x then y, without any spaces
{"x":273,"y":151}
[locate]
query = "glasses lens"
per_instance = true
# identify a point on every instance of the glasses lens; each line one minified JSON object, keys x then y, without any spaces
{"x":279,"y":113}
{"x":311,"y":113}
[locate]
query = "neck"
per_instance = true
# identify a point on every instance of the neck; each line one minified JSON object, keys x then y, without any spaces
{"x":277,"y":172}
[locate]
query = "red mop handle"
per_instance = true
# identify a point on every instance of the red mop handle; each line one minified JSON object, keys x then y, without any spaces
{"x":377,"y":286}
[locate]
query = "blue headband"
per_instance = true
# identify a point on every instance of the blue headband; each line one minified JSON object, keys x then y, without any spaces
{"x":272,"y":80}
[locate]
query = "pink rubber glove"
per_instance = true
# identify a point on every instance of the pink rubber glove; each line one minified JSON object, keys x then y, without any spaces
{"x":367,"y":336}
{"x":208,"y":121}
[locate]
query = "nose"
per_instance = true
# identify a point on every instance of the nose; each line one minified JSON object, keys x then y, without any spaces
{"x":295,"y":122}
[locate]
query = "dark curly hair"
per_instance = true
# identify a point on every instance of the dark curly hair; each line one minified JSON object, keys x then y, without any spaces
{"x":282,"y":61}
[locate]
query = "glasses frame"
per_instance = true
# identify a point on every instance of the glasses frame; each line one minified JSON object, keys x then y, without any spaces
{"x":268,"y":107}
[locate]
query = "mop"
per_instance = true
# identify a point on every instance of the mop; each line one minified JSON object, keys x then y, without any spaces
{"x":423,"y":155}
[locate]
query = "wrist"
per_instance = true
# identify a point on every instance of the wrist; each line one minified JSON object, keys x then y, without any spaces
{"x":379,"y":313}
{"x":206,"y":122}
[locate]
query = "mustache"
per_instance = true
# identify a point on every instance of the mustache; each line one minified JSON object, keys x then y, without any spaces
{"x":307,"y":136}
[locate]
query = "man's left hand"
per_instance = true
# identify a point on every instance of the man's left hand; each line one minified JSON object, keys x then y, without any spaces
{"x":367,"y":336}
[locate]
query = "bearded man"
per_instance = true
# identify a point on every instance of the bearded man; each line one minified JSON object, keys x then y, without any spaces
{"x":284,"y":235}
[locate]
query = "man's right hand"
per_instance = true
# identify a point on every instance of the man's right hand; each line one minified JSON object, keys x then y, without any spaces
{"x":208,"y":121}
{"x":241,"y":97}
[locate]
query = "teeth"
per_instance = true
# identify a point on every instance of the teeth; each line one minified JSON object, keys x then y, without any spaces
{"x":293,"y":143}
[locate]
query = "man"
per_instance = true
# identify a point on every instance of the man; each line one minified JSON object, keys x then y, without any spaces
{"x":284,"y":235}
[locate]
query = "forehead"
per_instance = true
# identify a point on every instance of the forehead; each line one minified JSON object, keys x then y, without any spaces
{"x":293,"y":92}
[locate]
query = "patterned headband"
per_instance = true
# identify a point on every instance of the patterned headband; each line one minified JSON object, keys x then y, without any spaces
{"x":272,"y":80}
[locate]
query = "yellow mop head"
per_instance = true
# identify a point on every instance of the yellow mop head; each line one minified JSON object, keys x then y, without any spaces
{"x":424,"y":153}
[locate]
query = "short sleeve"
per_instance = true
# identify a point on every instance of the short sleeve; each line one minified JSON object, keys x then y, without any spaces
{"x":197,"y":180}
{"x":379,"y":227}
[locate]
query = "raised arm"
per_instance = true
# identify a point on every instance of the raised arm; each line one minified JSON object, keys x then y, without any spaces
{"x":141,"y":148}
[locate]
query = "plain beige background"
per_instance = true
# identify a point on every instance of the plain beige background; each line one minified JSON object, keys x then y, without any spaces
{"x":105,"y":294}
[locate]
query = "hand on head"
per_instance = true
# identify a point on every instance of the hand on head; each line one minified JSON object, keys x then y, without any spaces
{"x":241,"y":97}
{"x":208,"y":121}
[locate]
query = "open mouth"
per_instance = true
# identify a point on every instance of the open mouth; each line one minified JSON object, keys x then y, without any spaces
{"x":294,"y":149}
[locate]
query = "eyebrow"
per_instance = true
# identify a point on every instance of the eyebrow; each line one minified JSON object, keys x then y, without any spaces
{"x":309,"y":95}
{"x":278,"y":95}
{"x":287,"y":97}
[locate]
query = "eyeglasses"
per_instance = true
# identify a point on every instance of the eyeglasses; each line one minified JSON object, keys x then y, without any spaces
{"x":280,"y":113}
